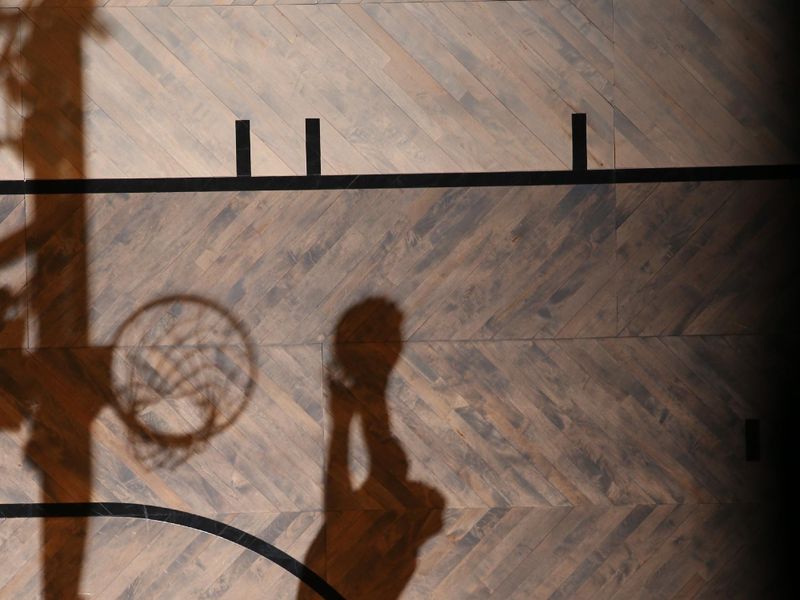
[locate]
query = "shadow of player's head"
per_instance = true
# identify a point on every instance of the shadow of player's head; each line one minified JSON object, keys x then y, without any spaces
{"x":372,"y":320}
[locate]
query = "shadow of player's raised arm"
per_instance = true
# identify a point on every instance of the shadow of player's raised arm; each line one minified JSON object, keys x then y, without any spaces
{"x":379,"y":561}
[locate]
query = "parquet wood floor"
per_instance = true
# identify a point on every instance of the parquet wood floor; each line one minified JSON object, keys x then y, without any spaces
{"x":432,"y":393}
{"x":488,"y":393}
{"x":473,"y":264}
{"x":404,"y":87}
{"x":623,"y":552}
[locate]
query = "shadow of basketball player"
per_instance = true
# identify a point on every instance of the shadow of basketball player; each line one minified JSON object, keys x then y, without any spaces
{"x":368,"y":545}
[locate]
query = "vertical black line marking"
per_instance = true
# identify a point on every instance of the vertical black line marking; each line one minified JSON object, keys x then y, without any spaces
{"x":243,"y":168}
{"x":313,"y":153}
{"x":579,"y":162}
{"x":752,"y":439}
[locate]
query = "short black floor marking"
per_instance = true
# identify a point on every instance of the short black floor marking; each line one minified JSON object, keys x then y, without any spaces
{"x":314,"y":180}
{"x":177,"y":517}
{"x":752,"y":439}
{"x":396,"y":181}
{"x":243,"y":168}
{"x":313,"y":152}
{"x":579,"y":160}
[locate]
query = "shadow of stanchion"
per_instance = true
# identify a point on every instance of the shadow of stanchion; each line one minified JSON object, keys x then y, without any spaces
{"x":372,"y":534}
{"x":47,"y":70}
{"x":181,"y":369}
{"x":53,"y":379}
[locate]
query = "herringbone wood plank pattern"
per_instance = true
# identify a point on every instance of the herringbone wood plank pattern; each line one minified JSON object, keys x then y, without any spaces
{"x":553,"y":483}
{"x":478,"y":393}
{"x":620,"y":552}
{"x":526,"y":262}
{"x":401,"y":87}
{"x":703,"y":82}
{"x":504,"y":263}
{"x":513,"y":428}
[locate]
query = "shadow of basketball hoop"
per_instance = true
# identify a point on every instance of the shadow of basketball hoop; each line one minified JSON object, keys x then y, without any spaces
{"x":182,"y":371}
{"x":175,"y":383}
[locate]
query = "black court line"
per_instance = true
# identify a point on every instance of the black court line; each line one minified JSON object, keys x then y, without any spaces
{"x":408,"y":180}
{"x":313,"y":152}
{"x":579,"y":160}
{"x":243,"y":148}
{"x":177,"y":517}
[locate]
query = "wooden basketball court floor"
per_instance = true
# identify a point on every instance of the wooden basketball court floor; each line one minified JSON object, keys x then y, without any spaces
{"x":569,"y":371}
{"x":495,"y":392}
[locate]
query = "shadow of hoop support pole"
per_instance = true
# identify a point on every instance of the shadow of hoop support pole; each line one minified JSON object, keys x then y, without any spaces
{"x":313,"y":154}
{"x":579,"y":162}
{"x":243,"y":168}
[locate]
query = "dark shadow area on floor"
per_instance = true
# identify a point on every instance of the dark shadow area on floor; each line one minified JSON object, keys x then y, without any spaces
{"x":776,"y":539}
{"x":780,"y":426}
{"x":372,"y":534}
{"x":46,"y":70}
{"x":51,"y":379}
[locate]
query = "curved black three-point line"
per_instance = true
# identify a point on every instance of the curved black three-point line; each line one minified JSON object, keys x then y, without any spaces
{"x":177,"y":517}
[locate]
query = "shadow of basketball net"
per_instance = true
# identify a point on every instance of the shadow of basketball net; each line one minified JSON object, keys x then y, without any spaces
{"x":182,"y":371}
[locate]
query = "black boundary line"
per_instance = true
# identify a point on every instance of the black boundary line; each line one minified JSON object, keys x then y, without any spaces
{"x":243,"y":148}
{"x":386,"y":181}
{"x":176,"y":517}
